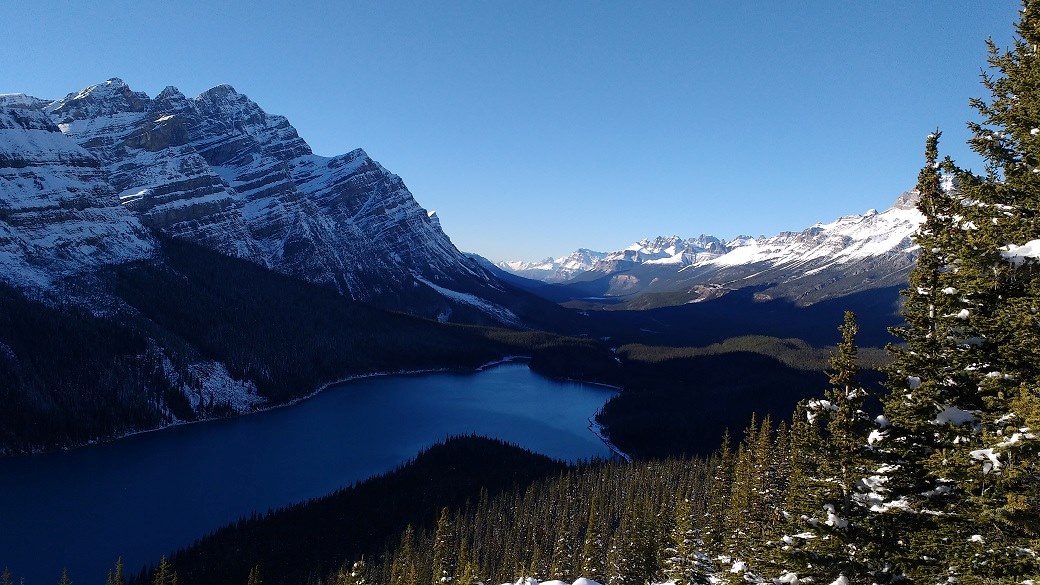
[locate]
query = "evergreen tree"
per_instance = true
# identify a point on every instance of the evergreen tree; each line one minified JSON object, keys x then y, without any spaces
{"x":65,"y":578}
{"x":254,"y":576}
{"x":717,"y":496}
{"x":404,"y":570}
{"x":955,"y":495}
{"x":115,"y":576}
{"x":164,"y":574}
{"x":683,"y":561}
{"x":357,"y":575}
{"x":825,"y":533}
{"x":593,"y":549}
{"x":5,"y":577}
{"x":443,"y":548}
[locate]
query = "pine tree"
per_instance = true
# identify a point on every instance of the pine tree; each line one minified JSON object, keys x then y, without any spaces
{"x":957,"y":496}
{"x":717,"y":497}
{"x":115,"y":576}
{"x":404,"y":570}
{"x":357,"y":575}
{"x":164,"y":574}
{"x":5,"y":577}
{"x":254,"y":576}
{"x":997,"y":470}
{"x":443,"y":548}
{"x":825,"y":530}
{"x":593,"y":549}
{"x":65,"y":578}
{"x":683,"y":561}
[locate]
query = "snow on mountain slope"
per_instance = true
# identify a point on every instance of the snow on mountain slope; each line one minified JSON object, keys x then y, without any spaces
{"x":559,"y":269}
{"x":852,"y":253}
{"x":58,"y":215}
{"x":218,"y":170}
{"x":849,"y":239}
{"x":670,"y":250}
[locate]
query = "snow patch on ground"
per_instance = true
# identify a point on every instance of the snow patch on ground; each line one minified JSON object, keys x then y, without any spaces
{"x":209,"y":384}
{"x":500,"y":313}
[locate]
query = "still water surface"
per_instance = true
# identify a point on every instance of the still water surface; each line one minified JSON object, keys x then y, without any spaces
{"x":145,"y":495}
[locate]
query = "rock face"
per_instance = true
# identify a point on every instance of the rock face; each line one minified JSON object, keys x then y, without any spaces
{"x":849,"y":255}
{"x":58,"y":214}
{"x":220,"y":171}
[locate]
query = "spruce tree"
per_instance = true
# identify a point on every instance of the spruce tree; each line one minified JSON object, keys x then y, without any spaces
{"x":594,"y":547}
{"x":717,"y":496}
{"x":998,"y":469}
{"x":826,"y":537}
{"x":958,"y":493}
{"x":444,"y":547}
{"x":115,"y":575}
{"x":164,"y":573}
{"x":254,"y":576}
{"x":683,"y":561}
{"x":403,"y":569}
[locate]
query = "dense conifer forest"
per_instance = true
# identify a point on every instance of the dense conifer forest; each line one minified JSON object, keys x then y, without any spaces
{"x":933,"y":477}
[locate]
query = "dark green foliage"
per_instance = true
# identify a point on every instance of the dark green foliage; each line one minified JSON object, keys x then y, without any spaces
{"x":115,"y":576}
{"x":68,"y":377}
{"x":962,"y":460}
{"x":683,"y":405}
{"x":318,"y":537}
{"x":164,"y":574}
{"x":288,"y":336}
{"x":622,"y":514}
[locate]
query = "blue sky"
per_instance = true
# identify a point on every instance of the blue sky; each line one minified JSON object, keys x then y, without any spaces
{"x":537,"y":127}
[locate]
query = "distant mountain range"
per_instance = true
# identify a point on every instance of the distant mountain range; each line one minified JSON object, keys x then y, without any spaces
{"x":851,"y":254}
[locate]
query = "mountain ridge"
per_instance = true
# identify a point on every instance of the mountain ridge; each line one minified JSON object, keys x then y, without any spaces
{"x":807,"y":266}
{"x":220,"y":171}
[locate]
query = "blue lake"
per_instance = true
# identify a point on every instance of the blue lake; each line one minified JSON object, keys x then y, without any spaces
{"x":148,"y":494}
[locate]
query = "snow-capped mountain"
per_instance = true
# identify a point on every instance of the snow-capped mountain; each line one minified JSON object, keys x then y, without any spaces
{"x":850,"y":254}
{"x":552,"y":269}
{"x":664,"y":251}
{"x":220,"y":171}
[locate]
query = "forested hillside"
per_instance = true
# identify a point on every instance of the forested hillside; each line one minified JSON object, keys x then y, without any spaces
{"x":937,"y":480}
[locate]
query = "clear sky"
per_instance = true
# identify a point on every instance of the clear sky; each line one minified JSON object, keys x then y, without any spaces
{"x":537,"y":127}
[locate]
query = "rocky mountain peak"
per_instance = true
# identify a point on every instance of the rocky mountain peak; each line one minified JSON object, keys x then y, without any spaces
{"x":170,"y":100}
{"x":108,"y":98}
{"x":907,"y":200}
{"x":22,"y":101}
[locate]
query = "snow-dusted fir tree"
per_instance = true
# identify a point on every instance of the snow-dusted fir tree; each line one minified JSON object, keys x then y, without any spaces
{"x":958,"y":496}
{"x":444,"y":548}
{"x":826,"y":536}
{"x":356,"y":575}
{"x":1001,"y":471}
{"x":684,"y":562}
